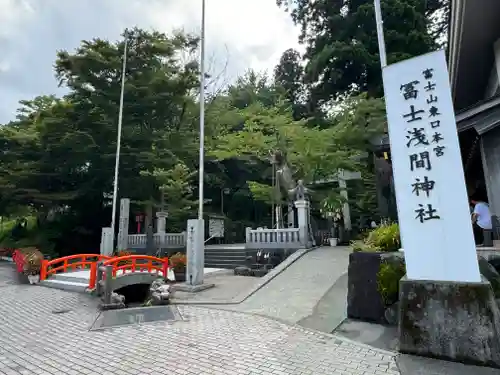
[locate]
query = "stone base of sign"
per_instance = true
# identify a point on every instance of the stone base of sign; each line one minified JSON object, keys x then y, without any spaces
{"x":364,"y":301}
{"x":191,"y":288}
{"x":446,"y":320}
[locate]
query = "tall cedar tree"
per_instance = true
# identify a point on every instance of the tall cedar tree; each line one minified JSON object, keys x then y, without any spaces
{"x":340,"y":37}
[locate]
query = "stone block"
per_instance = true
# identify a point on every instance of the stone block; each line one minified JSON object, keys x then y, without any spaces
{"x":363,"y":299}
{"x":491,"y":274}
{"x":447,"y":320}
{"x":260,"y":272}
{"x":243,"y":271}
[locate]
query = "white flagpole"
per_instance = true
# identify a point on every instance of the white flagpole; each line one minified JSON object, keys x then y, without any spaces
{"x":119,"y":138}
{"x":202,"y":113}
{"x":380,"y":34}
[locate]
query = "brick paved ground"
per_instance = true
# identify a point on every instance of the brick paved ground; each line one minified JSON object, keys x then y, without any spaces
{"x":36,"y":339}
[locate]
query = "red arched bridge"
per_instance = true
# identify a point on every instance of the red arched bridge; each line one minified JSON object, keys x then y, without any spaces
{"x":91,"y":271}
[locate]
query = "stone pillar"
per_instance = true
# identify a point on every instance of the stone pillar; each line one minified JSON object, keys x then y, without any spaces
{"x":107,"y":241}
{"x":303,"y":222}
{"x":346,"y":211}
{"x":195,"y":251}
{"x":247,"y":235}
{"x":161,"y":225}
{"x":161,"y":222}
{"x":122,"y":242}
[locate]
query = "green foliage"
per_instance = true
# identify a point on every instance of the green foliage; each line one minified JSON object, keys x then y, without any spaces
{"x":332,"y":204}
{"x":312,"y":152}
{"x":342,"y":56}
{"x":176,"y":193}
{"x":384,"y":238}
{"x":58,"y":154}
{"x":263,"y":192}
{"x":390,"y":272}
{"x":362,"y":246}
{"x":30,"y":236}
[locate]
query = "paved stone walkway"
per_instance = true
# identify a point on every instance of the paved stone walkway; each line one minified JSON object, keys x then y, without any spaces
{"x":294,"y":294}
{"x":45,"y":331}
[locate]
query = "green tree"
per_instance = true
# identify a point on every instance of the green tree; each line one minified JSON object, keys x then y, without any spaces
{"x":313,"y":153}
{"x":59,"y":155}
{"x":342,"y":55}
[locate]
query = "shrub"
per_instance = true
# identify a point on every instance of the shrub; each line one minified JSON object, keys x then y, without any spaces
{"x":388,"y":276}
{"x":28,"y":260}
{"x":361,"y":245}
{"x":178,"y":262}
{"x":385,"y":238}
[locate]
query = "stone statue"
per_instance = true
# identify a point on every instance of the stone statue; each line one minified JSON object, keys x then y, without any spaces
{"x":300,"y":192}
{"x":118,"y":300}
{"x":159,"y":293}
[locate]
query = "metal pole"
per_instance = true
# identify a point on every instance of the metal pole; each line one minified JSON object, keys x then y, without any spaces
{"x":380,"y":34}
{"x":119,"y":139}
{"x":202,"y":113}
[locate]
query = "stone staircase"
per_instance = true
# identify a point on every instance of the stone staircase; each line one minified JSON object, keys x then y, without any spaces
{"x":65,"y":282}
{"x":225,"y":256}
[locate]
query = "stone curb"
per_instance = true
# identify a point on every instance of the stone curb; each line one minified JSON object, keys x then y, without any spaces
{"x":308,"y":330}
{"x":264,"y":281}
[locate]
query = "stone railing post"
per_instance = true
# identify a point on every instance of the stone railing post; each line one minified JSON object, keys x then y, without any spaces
{"x":248,"y":234}
{"x":303,"y":221}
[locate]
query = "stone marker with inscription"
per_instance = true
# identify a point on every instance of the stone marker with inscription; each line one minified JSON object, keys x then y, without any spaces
{"x":447,"y":309}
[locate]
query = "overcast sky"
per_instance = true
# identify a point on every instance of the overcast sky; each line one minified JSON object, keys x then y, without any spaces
{"x":240,"y":33}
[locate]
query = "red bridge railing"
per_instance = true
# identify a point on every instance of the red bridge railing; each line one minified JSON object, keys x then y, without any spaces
{"x":131,"y":263}
{"x":71,"y":262}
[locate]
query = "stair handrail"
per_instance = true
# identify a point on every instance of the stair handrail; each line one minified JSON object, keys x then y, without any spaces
{"x":84,"y":261}
{"x":130,"y":264}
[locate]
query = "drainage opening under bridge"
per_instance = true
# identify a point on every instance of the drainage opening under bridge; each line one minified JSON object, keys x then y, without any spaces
{"x":136,"y":304}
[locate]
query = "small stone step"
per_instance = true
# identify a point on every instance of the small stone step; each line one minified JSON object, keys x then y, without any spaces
{"x":65,"y":285}
{"x":228,"y":254}
{"x":225,"y":256}
{"x":224,"y":260}
{"x":238,"y":258}
{"x":229,"y":250}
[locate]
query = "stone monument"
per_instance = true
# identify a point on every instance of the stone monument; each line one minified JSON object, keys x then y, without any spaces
{"x":195,"y":252}
{"x":106,"y":247}
{"x":447,"y":310}
{"x":122,"y":240}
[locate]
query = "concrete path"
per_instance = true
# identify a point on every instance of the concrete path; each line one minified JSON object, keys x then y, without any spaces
{"x":46,"y":332}
{"x":311,"y":291}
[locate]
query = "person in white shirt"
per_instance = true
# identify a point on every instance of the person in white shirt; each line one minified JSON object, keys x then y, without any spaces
{"x":481,"y":218}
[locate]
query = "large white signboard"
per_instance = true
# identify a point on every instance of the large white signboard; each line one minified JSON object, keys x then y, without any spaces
{"x":434,"y":215}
